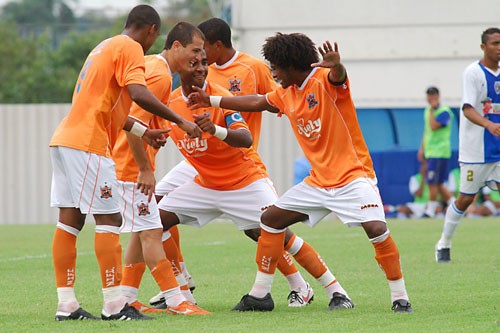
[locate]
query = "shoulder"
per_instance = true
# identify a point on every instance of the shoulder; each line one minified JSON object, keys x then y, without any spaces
{"x":176,"y":95}
{"x":217,"y":90}
{"x":473,"y":70}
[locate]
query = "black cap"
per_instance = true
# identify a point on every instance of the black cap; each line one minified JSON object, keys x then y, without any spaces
{"x":432,"y":91}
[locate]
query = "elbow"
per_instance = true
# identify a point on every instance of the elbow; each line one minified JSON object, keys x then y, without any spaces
{"x":247,"y":142}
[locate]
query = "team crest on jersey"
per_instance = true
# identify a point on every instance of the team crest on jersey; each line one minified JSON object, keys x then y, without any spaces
{"x":192,"y":146}
{"x":497,"y":87}
{"x":309,"y":128}
{"x":143,"y":209}
{"x":106,"y":191}
{"x":234,"y":85}
{"x":311,"y":100}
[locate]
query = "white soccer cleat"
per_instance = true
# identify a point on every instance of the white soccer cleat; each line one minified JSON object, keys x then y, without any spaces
{"x":299,"y":298}
{"x":157,"y":299}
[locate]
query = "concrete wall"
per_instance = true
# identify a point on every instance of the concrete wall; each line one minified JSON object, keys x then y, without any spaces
{"x":393,"y":50}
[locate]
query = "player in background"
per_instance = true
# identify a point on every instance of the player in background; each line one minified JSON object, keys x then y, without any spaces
{"x":435,"y":149}
{"x":317,"y":100}
{"x":241,"y":74}
{"x":84,"y":178}
{"x":479,"y":132}
{"x":230,"y":182}
{"x":135,"y":165}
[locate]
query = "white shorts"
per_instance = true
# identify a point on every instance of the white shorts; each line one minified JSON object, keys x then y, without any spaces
{"x":137,"y":213}
{"x":355,"y":203}
{"x":196,"y":205}
{"x":475,"y":176}
{"x":177,"y":176}
{"x":83,"y":180}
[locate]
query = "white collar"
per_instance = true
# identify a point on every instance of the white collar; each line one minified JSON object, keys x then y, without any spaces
{"x":204,"y":88}
{"x":229,"y":62}
{"x":307,"y":78}
{"x":159,"y":56}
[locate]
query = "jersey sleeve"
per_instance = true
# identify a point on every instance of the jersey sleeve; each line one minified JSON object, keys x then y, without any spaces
{"x":129,"y":64}
{"x":234,"y":120}
{"x":470,"y":84}
{"x":274,"y":98}
{"x":443,"y":118}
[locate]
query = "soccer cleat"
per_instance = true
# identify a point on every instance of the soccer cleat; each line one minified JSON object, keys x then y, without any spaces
{"x":299,"y":298}
{"x":190,"y":282}
{"x":340,"y":301}
{"x":157,"y":299}
{"x":161,"y":306}
{"x":144,"y":308}
{"x":127,"y":313}
{"x":443,"y":254}
{"x":188,"y":309}
{"x":402,"y":305}
{"x":251,"y":303}
{"x":78,"y":314}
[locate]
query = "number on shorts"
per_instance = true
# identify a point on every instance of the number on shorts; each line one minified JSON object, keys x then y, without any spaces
{"x":470,"y":175}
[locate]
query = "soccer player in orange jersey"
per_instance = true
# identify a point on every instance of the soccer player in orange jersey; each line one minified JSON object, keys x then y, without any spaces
{"x":84,"y":178}
{"x":315,"y":96}
{"x":135,"y":164}
{"x":230,"y":182}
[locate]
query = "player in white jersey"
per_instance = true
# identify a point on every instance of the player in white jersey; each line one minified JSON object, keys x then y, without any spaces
{"x":479,"y":140}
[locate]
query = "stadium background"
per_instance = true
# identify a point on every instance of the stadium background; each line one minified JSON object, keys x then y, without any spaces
{"x":393,"y":51}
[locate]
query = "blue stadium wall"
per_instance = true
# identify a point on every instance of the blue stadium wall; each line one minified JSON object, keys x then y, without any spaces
{"x":393,"y":136}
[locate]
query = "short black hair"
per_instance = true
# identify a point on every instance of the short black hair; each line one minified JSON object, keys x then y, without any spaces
{"x":143,"y":15}
{"x":216,"y":29}
{"x":486,"y":34}
{"x":183,"y":32}
{"x":432,"y":91}
{"x":294,"y":50}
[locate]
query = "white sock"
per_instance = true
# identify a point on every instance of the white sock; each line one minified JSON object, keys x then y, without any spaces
{"x":184,"y":269}
{"x":189,"y":296}
{"x":262,"y":285}
{"x":174,"y":296}
{"x":114,"y":301}
{"x":296,"y":281}
{"x":331,"y":284}
{"x":451,"y":221}
{"x":130,"y":293}
{"x":431,"y":208}
{"x":398,"y":290}
{"x":67,"y":302}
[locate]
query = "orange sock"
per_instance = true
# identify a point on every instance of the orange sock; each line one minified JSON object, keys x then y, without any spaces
{"x":64,"y":258}
{"x":164,"y":275}
{"x":269,"y":251}
{"x":308,"y":258}
{"x":108,"y":251}
{"x":174,"y":231}
{"x":132,"y":274}
{"x":286,"y":265}
{"x":172,"y":254}
{"x":387,"y":256}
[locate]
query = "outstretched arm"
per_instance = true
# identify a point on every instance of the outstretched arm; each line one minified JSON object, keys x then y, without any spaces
{"x":234,"y":137}
{"x":247,"y":103}
{"x":331,"y":59}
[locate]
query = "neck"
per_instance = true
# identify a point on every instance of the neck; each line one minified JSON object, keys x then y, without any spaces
{"x":489,"y":63}
{"x":186,"y":89}
{"x":135,"y":35}
{"x":225,"y":56}
{"x":300,"y":76}
{"x":172,"y":63}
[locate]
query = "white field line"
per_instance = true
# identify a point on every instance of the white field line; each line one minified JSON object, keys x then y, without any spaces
{"x":39,"y":256}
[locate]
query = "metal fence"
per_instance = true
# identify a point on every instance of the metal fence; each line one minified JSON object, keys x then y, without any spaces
{"x":25,"y":169}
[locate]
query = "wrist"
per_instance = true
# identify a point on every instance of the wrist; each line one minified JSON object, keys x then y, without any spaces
{"x":220,"y":132}
{"x":138,"y":129}
{"x":215,"y":101}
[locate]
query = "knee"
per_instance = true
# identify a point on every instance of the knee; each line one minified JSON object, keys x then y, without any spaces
{"x":252,"y":234}
{"x":374,"y":228}
{"x":168,"y":219}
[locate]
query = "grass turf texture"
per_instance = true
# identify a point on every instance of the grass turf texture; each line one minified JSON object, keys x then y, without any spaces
{"x":458,"y":297}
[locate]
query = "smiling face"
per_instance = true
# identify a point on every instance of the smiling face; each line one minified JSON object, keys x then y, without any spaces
{"x":186,"y":56}
{"x":281,"y":76}
{"x":196,"y":75}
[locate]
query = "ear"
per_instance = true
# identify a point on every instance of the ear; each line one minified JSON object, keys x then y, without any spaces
{"x":152,"y":29}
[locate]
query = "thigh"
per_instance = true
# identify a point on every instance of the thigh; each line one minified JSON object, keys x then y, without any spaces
{"x":137,"y":213}
{"x":193,"y":204}
{"x":177,"y":176}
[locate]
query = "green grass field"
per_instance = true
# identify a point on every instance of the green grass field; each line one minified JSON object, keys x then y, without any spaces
{"x":459,"y":297}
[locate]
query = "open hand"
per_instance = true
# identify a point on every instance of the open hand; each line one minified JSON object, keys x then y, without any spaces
{"x":331,"y":55}
{"x":198,"y":99}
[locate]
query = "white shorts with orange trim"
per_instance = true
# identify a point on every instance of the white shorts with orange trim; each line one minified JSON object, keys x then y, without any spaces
{"x":178,"y":175}
{"x":83,"y":180}
{"x":196,"y":205}
{"x":137,"y":213}
{"x":355,"y":203}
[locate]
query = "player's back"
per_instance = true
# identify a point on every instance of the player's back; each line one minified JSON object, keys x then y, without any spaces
{"x":245,"y":75}
{"x":100,"y":101}
{"x":219,"y":165}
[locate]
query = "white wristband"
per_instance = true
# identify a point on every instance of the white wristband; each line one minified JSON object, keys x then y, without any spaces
{"x":220,"y":132}
{"x":138,"y":129}
{"x":215,"y":101}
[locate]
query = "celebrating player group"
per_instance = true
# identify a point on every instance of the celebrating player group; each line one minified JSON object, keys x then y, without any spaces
{"x":103,"y":155}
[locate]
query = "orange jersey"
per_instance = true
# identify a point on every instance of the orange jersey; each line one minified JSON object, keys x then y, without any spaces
{"x":245,"y":75}
{"x":101,"y":102}
{"x":323,"y":118}
{"x":219,"y":165}
{"x":159,"y":82}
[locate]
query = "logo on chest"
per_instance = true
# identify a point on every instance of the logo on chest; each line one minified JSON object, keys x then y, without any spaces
{"x":311,"y":100}
{"x":234,"y":85}
{"x":192,"y":146}
{"x":309,"y":128}
{"x":497,"y":87}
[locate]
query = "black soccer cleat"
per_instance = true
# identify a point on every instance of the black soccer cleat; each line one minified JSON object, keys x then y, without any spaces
{"x":162,"y":305}
{"x":127,"y":313}
{"x":79,"y":314}
{"x":443,"y":255}
{"x":340,"y":301}
{"x":251,"y":303}
{"x":401,"y":305}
